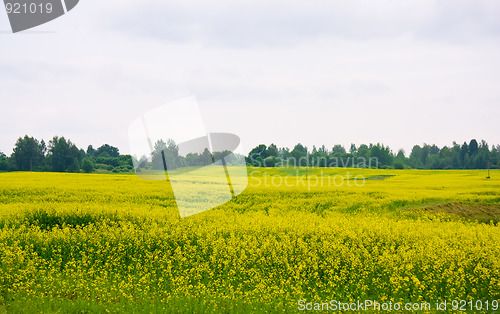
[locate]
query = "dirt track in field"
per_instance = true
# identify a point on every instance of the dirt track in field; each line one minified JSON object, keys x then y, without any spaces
{"x":473,"y":211}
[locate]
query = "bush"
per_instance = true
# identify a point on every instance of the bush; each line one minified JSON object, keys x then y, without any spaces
{"x":123,"y":169}
{"x":112,"y":161}
{"x":87,"y":165}
{"x":103,"y":167}
{"x":399,"y":165}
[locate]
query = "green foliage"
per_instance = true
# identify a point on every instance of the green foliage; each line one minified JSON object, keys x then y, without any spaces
{"x":110,"y":150}
{"x":157,"y":156}
{"x":272,"y":150}
{"x":90,"y":151}
{"x":88,"y":165}
{"x":5,"y":163}
{"x":105,"y":159}
{"x":103,"y":167}
{"x":299,"y":155}
{"x":399,"y":165}
{"x":63,"y":155}
{"x":338,"y":150}
{"x":467,"y":156}
{"x":257,"y":155}
{"x":28,"y":153}
{"x":123,"y":169}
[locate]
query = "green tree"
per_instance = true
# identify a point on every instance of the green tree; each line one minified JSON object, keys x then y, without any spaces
{"x":400,"y":160}
{"x":87,"y":165}
{"x":495,"y":157}
{"x":353,"y":150}
{"x":424,"y":155}
{"x":464,"y":156}
{"x":257,"y":154}
{"x":483,"y":156}
{"x":473,"y":148}
{"x":415,"y":157}
{"x":5,"y":164}
{"x":338,"y":150}
{"x":299,"y":155}
{"x":106,"y":148}
{"x":272,"y":150}
{"x":206,"y":157}
{"x":63,"y":155}
{"x":28,"y":153}
{"x":157,"y":156}
{"x":90,"y":151}
{"x":455,"y":156}
{"x":382,"y":154}
{"x":172,"y":155}
{"x":167,"y":153}
{"x":446,"y":158}
{"x":193,"y":159}
{"x":363,"y":151}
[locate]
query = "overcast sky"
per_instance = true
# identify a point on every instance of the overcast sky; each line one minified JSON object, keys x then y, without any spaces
{"x":316,"y":72}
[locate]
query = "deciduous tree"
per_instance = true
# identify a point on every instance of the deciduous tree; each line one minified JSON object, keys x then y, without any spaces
{"x":28,"y":153}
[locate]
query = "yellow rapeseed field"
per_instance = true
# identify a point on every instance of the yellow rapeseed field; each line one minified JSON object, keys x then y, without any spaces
{"x":94,"y":243}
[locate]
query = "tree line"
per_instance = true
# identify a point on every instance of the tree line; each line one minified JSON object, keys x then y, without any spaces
{"x":166,"y":155}
{"x":472,"y":155}
{"x":62,"y":155}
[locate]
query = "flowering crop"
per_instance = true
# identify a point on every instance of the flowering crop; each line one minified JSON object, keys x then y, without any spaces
{"x":75,"y":242}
